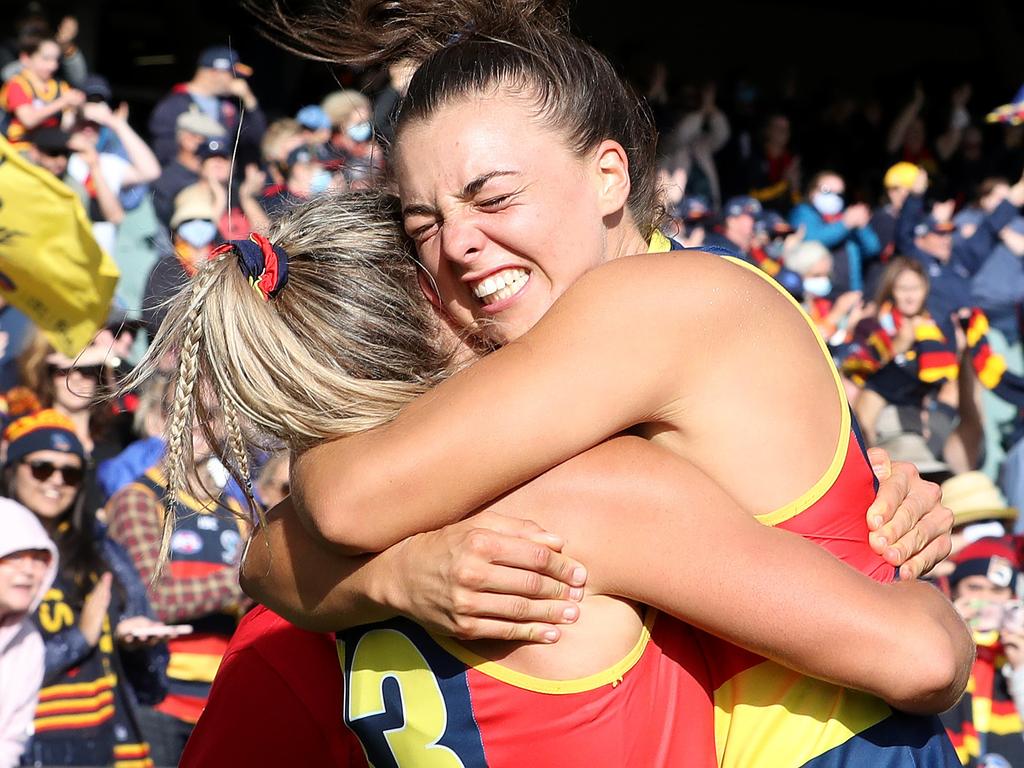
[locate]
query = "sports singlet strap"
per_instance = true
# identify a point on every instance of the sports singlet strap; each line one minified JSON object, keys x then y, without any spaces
{"x":661,"y":243}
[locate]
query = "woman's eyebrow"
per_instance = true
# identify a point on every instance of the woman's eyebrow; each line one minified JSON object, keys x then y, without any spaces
{"x":474,"y":186}
{"x":471,"y":189}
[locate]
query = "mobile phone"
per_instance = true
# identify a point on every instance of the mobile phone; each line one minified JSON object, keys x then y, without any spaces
{"x":168,"y":631}
{"x":1013,"y":617}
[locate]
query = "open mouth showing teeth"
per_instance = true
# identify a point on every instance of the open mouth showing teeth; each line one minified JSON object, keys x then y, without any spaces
{"x":500,"y":285}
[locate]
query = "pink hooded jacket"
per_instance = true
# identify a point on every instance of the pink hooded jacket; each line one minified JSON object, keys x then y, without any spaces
{"x":21,"y":647}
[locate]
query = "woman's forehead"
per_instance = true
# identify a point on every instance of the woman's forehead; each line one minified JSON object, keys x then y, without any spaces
{"x":474,"y":137}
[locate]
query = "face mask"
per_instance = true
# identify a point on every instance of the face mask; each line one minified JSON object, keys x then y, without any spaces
{"x":320,"y":182}
{"x":360,"y":131}
{"x":818,"y":286}
{"x":198,"y":232}
{"x":827,"y":203}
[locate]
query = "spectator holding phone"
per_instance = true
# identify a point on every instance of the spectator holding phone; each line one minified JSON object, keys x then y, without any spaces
{"x":986,"y":722}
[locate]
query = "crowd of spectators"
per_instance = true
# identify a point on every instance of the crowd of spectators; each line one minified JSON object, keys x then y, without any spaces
{"x":906,"y":253}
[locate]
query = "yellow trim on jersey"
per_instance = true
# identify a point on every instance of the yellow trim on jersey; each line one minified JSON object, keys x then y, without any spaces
{"x":611,"y":676}
{"x":659,"y":243}
{"x":198,"y":667}
{"x":770,"y":716}
{"x":188,"y":501}
{"x":820,"y":488}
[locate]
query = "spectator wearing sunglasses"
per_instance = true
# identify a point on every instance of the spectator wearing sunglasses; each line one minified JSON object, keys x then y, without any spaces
{"x":69,"y":386}
{"x":96,"y":670}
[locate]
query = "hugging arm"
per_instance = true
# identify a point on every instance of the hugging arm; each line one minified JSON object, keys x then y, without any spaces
{"x":425,"y":469}
{"x":621,"y":503}
{"x":765,"y":589}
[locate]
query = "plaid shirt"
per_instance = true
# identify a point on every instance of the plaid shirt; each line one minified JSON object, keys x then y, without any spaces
{"x":135,"y":517}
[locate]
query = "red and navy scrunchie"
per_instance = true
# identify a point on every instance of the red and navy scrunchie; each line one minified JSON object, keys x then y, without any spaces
{"x":265,"y":264}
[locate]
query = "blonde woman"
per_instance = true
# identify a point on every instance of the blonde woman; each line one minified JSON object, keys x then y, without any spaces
{"x":335,"y":340}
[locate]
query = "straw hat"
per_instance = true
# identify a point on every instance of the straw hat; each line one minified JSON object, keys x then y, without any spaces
{"x":973,"y":496}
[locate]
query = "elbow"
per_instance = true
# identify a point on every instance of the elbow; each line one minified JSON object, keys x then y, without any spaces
{"x":151,"y":174}
{"x":346,"y":528}
{"x":935,"y":680}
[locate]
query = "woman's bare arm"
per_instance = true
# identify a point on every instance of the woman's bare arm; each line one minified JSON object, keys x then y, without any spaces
{"x":767,"y":590}
{"x":704,"y":559}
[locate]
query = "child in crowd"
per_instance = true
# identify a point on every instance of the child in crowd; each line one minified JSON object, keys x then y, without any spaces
{"x":28,"y":565}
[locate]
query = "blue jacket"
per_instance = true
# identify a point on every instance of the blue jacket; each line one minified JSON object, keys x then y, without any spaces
{"x":858,"y":245}
{"x":950,"y":281}
{"x":998,"y":288}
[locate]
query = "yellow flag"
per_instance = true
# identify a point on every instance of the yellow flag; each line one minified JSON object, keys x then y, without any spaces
{"x":51,"y":267}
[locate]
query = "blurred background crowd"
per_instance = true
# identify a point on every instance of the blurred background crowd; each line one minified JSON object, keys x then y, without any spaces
{"x":888,"y":205}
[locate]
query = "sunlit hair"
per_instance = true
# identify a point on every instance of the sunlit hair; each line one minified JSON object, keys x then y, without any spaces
{"x":340,"y":105}
{"x":471,"y":47}
{"x":346,"y":344}
{"x":277,"y":138}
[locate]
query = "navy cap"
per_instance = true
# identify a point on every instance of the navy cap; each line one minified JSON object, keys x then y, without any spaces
{"x":693,"y":208}
{"x":223,"y":58}
{"x":49,"y":139}
{"x":931,"y":224}
{"x":97,"y":88}
{"x":299,"y":155}
{"x":213,"y":148}
{"x":737,"y":206}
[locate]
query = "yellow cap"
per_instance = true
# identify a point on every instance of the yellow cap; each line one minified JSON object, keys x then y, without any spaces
{"x":902,"y":174}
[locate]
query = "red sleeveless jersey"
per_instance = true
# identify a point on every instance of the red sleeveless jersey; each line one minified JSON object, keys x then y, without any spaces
{"x":768,"y":716}
{"x":414,"y":699}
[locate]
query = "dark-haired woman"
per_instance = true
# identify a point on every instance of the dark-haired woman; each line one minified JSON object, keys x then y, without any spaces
{"x":89,"y":618}
{"x":524,"y":165}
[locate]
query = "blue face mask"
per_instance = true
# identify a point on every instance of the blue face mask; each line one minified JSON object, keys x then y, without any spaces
{"x":360,"y":131}
{"x":320,"y":182}
{"x":818,"y":286}
{"x":198,"y":233}
{"x":828,"y":203}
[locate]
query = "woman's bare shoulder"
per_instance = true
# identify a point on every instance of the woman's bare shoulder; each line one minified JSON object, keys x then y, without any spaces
{"x":691,"y":284}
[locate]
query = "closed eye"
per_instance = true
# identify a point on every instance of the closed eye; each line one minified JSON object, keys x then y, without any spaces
{"x":496,"y":203}
{"x":422,"y":233}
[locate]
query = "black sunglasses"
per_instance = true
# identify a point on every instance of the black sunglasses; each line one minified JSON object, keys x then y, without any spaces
{"x":89,"y":371}
{"x":43,"y":470}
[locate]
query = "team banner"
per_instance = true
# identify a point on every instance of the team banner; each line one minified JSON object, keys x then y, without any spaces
{"x":51,"y":267}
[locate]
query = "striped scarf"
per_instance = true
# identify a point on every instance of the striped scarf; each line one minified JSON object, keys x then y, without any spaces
{"x":932,"y":358}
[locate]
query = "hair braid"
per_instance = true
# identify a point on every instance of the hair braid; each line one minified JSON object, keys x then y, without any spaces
{"x":179,"y":429}
{"x":240,"y":455}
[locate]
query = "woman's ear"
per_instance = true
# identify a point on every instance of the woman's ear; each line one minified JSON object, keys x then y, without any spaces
{"x":614,"y":186}
{"x":429,"y":288}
